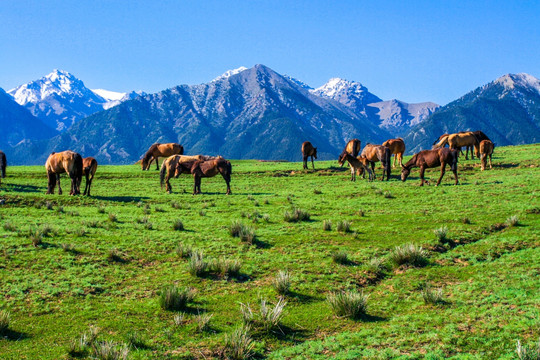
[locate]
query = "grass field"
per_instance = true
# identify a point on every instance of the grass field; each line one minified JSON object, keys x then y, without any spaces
{"x":72,"y":264}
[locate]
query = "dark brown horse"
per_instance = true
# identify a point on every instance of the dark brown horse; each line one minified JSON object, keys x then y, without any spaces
{"x":429,"y":159}
{"x":486,"y":150}
{"x":170,"y":168}
{"x":3,"y":165}
{"x":89,"y":169}
{"x":376,"y":153}
{"x":210,"y":168}
{"x":64,"y":162}
{"x":397,"y":147}
{"x":307,"y":151}
{"x":160,"y":150}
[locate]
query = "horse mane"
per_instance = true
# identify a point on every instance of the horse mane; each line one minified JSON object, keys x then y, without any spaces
{"x":411,"y":163}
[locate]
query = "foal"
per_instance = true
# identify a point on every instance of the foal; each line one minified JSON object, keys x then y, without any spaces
{"x":358,"y":164}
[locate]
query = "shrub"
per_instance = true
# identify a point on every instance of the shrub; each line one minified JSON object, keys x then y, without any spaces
{"x":377,"y":267}
{"x":9,"y":226}
{"x":317,"y":191}
{"x":115,"y":255}
{"x":108,"y":350}
{"x":340,"y":257}
{"x":49,"y":205}
{"x":512,"y":221}
{"x":60,"y":209}
{"x":178,"y":225}
{"x":184,"y":251}
{"x":159,"y":209}
{"x":176,"y":205}
{"x":203,"y":322}
{"x":528,"y":353}
{"x":101,"y":210}
{"x":344,"y":226}
{"x":361,"y":213}
{"x":135,"y":340}
{"x":179,"y":319}
{"x":350,"y":304}
{"x":265,"y":218}
{"x":409,"y":254}
{"x":388,"y":195}
{"x":282,"y":282}
{"x":80,"y":231}
{"x":244,"y":232}
{"x":113,"y":217}
{"x":78,"y":347}
{"x":442,"y":234}
{"x":36,"y":237}
{"x":92,"y":223}
{"x":202,"y":213}
{"x":327,"y":225}
{"x":5,"y":318}
{"x":235,"y":227}
{"x":239,"y":345}
{"x":175,"y":299}
{"x":225,"y":267}
{"x":197,"y":265}
{"x":247,"y":314}
{"x":250,"y":197}
{"x":296,"y":215}
{"x":466,"y":220}
{"x":271,"y":316}
{"x":68,"y":247}
{"x":432,"y":296}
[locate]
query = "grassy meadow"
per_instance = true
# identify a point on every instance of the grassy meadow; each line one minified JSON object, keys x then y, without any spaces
{"x":78,"y":274}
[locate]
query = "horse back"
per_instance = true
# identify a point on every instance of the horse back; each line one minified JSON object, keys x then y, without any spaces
{"x":307,"y":148}
{"x":486,"y":147}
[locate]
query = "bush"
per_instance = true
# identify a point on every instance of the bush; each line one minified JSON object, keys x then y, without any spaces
{"x":184,"y":251}
{"x":296,"y":215}
{"x":9,"y":226}
{"x":388,"y":195}
{"x":344,"y":226}
{"x":271,"y":316}
{"x":432,"y":296}
{"x":178,"y":225}
{"x":203,"y":322}
{"x":175,"y":299}
{"x":466,"y":220}
{"x":101,"y":210}
{"x":442,"y":234}
{"x":350,"y":304}
{"x":108,"y":350}
{"x":247,"y":314}
{"x":135,"y":340}
{"x":409,"y":254}
{"x":197,"y":265}
{"x":340,"y":257}
{"x":327,"y":225}
{"x":377,"y":267}
{"x":115,"y":255}
{"x":225,"y":267}
{"x":113,"y":218}
{"x":179,"y":319}
{"x":36,"y":237}
{"x":239,"y":345}
{"x":282,"y":282}
{"x":68,"y":247}
{"x":512,"y":221}
{"x":235,"y":227}
{"x":5,"y":318}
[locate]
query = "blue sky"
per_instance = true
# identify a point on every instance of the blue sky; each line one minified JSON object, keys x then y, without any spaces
{"x":411,"y":50}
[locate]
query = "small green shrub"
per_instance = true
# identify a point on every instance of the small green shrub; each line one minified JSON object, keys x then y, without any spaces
{"x":466,"y":220}
{"x":178,"y":225}
{"x":340,"y":257}
{"x":376,"y":267}
{"x":225,"y":267}
{"x":36,"y":237}
{"x":68,"y":247}
{"x":350,"y":304}
{"x":113,"y":217}
{"x":179,"y":319}
{"x":525,"y":352}
{"x":174,"y":299}
{"x":282,"y":282}
{"x":108,"y":350}
{"x":239,"y":345}
{"x":512,"y":221}
{"x":247,"y":314}
{"x":388,"y":195}
{"x":409,"y":254}
{"x":197,"y":265}
{"x":344,"y":226}
{"x":101,"y":210}
{"x":8,"y":226}
{"x":49,"y":205}
{"x":432,"y":296}
{"x":296,"y":215}
{"x":135,"y":340}
{"x":203,"y":322}
{"x":441,"y":234}
{"x":270,"y":317}
{"x":114,"y":255}
{"x":5,"y":318}
{"x":327,"y":225}
{"x":184,"y":251}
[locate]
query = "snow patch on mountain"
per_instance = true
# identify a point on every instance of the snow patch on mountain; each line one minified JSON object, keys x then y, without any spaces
{"x":230,"y":73}
{"x":511,"y":81}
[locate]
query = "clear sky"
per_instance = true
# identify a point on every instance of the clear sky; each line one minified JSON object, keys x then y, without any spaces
{"x":414,"y":51}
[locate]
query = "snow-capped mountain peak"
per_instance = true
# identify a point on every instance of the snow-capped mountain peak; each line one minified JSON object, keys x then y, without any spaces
{"x":109,"y":95}
{"x":336,"y":86}
{"x":230,"y":73}
{"x":510,"y":81}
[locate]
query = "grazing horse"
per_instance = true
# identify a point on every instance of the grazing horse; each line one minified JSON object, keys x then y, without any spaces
{"x":170,"y":168}
{"x":3,"y":165}
{"x":397,"y":147}
{"x":353,"y":147}
{"x":429,"y":159}
{"x":458,"y":140}
{"x":358,"y":164}
{"x":89,"y":169}
{"x":64,"y":162}
{"x":160,"y":150}
{"x":308,"y":150}
{"x":486,"y":149}
{"x":376,"y":153}
{"x":211,"y":168}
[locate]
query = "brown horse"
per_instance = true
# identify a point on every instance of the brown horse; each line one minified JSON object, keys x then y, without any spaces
{"x":358,"y":165}
{"x":170,"y":168}
{"x":160,"y":150}
{"x":463,"y":138}
{"x":429,"y":159}
{"x":89,"y":169}
{"x":376,"y":153}
{"x":353,"y":147}
{"x":307,"y":151}
{"x":64,"y":162}
{"x":486,"y":149}
{"x":3,"y":165}
{"x":210,"y":168}
{"x":397,"y":147}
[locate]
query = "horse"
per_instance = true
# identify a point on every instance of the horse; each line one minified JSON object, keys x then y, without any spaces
{"x":210,"y":168}
{"x":170,"y":167}
{"x":160,"y":150}
{"x":353,"y":147}
{"x":89,"y":169}
{"x":3,"y":165}
{"x":429,"y":159}
{"x":376,"y":153}
{"x":397,"y":147}
{"x":486,"y":149}
{"x":64,"y":162}
{"x":308,"y":150}
{"x":357,"y":164}
{"x":458,"y":140}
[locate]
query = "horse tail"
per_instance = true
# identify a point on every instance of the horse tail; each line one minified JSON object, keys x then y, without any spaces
{"x":162,"y":172}
{"x":454,"y":163}
{"x":78,"y":167}
{"x":441,"y":143}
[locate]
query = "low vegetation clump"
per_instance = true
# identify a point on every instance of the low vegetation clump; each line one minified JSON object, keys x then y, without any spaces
{"x":525,"y":352}
{"x":178,"y":225}
{"x":270,"y":317}
{"x":238,"y":344}
{"x":432,"y":296}
{"x":442,"y":235}
{"x":81,"y":346}
{"x":36,"y":237}
{"x":349,"y":304}
{"x":197,"y":264}
{"x":5,"y":318}
{"x":68,"y":247}
{"x":109,"y":350}
{"x":174,"y":299}
{"x":8,"y":226}
{"x":282,"y":282}
{"x":376,"y":267}
{"x":512,"y":221}
{"x":135,"y":340}
{"x":296,"y":215}
{"x":344,"y":226}
{"x":340,"y":257}
{"x":466,"y":220}
{"x":203,"y":322}
{"x":225,"y":267}
{"x":184,"y":251}
{"x":388,"y":195}
{"x":115,"y":255}
{"x":409,"y":254}
{"x":113,"y":217}
{"x":327,"y":225}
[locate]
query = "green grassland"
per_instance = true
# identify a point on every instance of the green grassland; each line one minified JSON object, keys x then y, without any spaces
{"x":105,"y":259}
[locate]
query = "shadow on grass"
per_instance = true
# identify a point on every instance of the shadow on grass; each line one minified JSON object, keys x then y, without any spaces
{"x":25,"y":188}
{"x":124,"y":199}
{"x":14,"y":335}
{"x":289,"y":334}
{"x":304,"y":298}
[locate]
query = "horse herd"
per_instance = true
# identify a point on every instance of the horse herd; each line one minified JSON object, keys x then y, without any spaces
{"x":438,"y":156}
{"x":201,"y":166}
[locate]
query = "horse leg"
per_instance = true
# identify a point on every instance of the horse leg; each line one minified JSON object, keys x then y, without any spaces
{"x":58,"y":182}
{"x":157,"y":163}
{"x":312,"y":164}
{"x":373,"y":168}
{"x":51,"y":183}
{"x":90,"y":184}
{"x":227,"y":179}
{"x":483,"y":162}
{"x":304,"y":164}
{"x":395,"y":159}
{"x":490,"y":166}
{"x":443,"y":170}
{"x":422,"y":170}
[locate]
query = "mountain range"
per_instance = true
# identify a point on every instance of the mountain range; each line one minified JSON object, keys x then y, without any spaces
{"x":254,"y":113}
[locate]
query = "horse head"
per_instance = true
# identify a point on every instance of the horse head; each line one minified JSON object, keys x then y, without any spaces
{"x":405,"y":171}
{"x":315,"y":152}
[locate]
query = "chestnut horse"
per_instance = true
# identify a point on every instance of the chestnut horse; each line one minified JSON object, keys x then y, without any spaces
{"x":160,"y":150}
{"x":429,"y":159}
{"x":64,"y":162}
{"x":206,"y":168}
{"x":170,"y":167}
{"x":376,"y":153}
{"x":397,"y":147}
{"x":446,"y":139}
{"x":3,"y":165}
{"x":307,"y":151}
{"x":486,"y":149}
{"x":358,"y":165}
{"x":89,"y":169}
{"x":353,"y":147}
